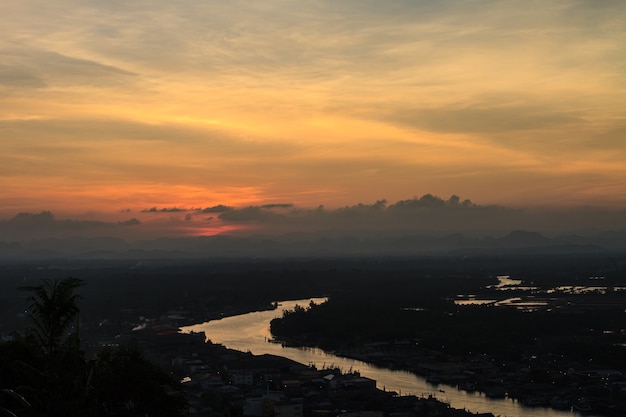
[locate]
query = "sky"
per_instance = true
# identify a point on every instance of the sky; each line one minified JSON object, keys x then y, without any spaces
{"x":157,"y":112}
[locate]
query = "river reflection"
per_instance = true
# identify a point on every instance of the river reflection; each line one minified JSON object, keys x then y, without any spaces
{"x":251,"y":332}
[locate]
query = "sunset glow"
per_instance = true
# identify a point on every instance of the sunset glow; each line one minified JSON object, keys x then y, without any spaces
{"x":108,"y":109}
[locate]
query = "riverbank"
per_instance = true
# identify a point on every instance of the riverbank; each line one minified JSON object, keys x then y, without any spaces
{"x":190,"y":318}
{"x":569,"y":354}
{"x":250,"y":333}
{"x":542,"y":382}
{"x":220,"y":382}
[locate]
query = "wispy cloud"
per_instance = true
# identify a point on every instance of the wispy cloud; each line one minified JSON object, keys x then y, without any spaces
{"x":477,"y":120}
{"x":132,"y":104}
{"x":48,"y":69}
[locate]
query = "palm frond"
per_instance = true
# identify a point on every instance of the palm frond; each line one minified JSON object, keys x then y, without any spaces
{"x":52,"y":307}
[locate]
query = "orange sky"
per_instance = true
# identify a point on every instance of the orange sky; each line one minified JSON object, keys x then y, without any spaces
{"x":117,"y":107}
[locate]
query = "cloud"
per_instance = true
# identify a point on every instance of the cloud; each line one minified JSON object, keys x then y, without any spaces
{"x":27,"y":226}
{"x":612,"y":138}
{"x":252,"y":214}
{"x":360,"y":98}
{"x":44,"y":218}
{"x":473,"y":119}
{"x":114,"y":145}
{"x":38,"y":68}
{"x":428,"y":211}
{"x":164,"y":210}
{"x":130,"y":222}
{"x":428,"y":214}
{"x":277,"y":205}
{"x":220,"y":208}
{"x":14,"y":76}
{"x":433,"y":202}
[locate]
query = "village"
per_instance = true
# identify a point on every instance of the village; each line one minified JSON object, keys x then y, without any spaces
{"x":218,"y":381}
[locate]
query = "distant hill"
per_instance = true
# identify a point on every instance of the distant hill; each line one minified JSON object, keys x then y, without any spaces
{"x":303,"y":245}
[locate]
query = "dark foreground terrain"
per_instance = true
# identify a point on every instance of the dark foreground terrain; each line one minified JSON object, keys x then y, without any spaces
{"x":536,"y":327}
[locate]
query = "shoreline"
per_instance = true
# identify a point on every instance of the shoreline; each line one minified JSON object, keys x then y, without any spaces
{"x":529,"y":395}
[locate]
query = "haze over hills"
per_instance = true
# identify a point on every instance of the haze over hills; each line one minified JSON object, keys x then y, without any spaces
{"x":309,"y":245}
{"x":416,"y":226}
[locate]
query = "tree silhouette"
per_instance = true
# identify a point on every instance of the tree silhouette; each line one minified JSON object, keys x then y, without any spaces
{"x":48,"y":374}
{"x":53,"y":309}
{"x":124,"y":384}
{"x":57,"y":372}
{"x":17,"y":401}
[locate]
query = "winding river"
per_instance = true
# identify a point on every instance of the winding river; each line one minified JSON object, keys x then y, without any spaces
{"x":250,"y":332}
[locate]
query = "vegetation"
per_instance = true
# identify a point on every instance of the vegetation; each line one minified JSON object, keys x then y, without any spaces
{"x":53,"y":309}
{"x":45,"y":373}
{"x":432,"y":322}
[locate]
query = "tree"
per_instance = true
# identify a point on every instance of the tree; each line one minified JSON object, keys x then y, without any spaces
{"x":60,"y":388}
{"x":124,"y":383}
{"x":53,"y":309}
{"x":12,"y":401}
{"x":49,"y":376}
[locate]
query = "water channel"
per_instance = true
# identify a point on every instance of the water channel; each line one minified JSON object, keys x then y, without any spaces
{"x":250,"y":332}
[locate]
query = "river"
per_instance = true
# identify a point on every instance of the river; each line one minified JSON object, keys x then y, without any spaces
{"x":251,"y":332}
